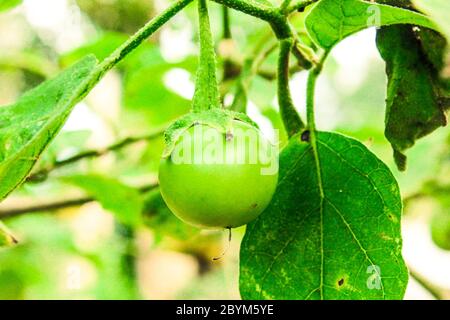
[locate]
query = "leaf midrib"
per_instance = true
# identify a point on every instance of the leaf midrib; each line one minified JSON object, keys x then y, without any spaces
{"x":314,"y":143}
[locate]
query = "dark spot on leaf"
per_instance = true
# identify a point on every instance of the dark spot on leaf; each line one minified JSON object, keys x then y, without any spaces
{"x":306,"y":136}
{"x":229,"y":136}
{"x":341,"y":282}
{"x":253,"y":206}
{"x":301,"y":9}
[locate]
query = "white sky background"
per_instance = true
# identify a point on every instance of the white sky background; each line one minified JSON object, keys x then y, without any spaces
{"x":62,"y":26}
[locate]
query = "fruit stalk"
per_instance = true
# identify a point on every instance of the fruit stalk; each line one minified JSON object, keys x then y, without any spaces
{"x":206,"y":94}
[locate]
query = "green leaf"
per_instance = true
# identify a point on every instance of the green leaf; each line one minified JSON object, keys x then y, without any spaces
{"x":345,"y":244}
{"x":162,"y":221}
{"x":144,"y":68}
{"x":101,"y":48}
{"x":145,"y":95}
{"x":6,"y":237}
{"x":27,"y":126}
{"x":330,"y":21}
{"x":9,"y":4}
{"x":415,"y":96}
{"x":123,"y":201}
{"x":438,"y":10}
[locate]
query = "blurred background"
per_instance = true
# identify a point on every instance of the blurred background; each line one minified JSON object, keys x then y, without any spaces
{"x":78,"y":243}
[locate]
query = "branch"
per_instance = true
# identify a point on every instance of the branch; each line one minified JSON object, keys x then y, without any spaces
{"x":140,"y":36}
{"x":437,"y":292}
{"x":29,"y":62}
{"x":226,"y":23}
{"x":291,"y":119}
{"x":57,"y":205}
{"x":429,"y":189}
{"x":38,"y":175}
{"x":299,"y":6}
{"x":273,"y":16}
{"x":265,"y":13}
{"x":230,"y":69}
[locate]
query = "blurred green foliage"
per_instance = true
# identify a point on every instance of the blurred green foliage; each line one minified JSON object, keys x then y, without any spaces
{"x":52,"y":248}
{"x":119,"y":15}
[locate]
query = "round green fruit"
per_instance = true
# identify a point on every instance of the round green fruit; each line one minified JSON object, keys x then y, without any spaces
{"x":217,"y":180}
{"x":440,"y":230}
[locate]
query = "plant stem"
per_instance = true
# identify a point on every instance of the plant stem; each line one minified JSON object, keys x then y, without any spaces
{"x":257,"y":10}
{"x":310,"y":91}
{"x":226,"y":22}
{"x":299,"y":6}
{"x":284,"y":5}
{"x":206,"y":94}
{"x":311,"y":137}
{"x":53,"y":206}
{"x":132,"y":43}
{"x":40,"y":174}
{"x":272,"y":15}
{"x":140,"y":36}
{"x":251,"y":67}
{"x":432,"y":289}
{"x":290,"y":116}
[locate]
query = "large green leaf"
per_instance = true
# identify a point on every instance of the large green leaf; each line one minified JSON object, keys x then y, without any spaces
{"x":345,"y":244}
{"x":438,"y":10}
{"x":123,"y":201}
{"x":415,"y":94}
{"x":27,"y":126}
{"x":8,"y":4}
{"x":330,"y":21}
{"x":101,"y":48}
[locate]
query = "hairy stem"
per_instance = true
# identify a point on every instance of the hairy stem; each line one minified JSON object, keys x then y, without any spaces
{"x":272,"y":15}
{"x":257,"y":10}
{"x":291,"y":119}
{"x":206,"y":94}
{"x":310,"y":89}
{"x":310,"y":92}
{"x":299,"y":6}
